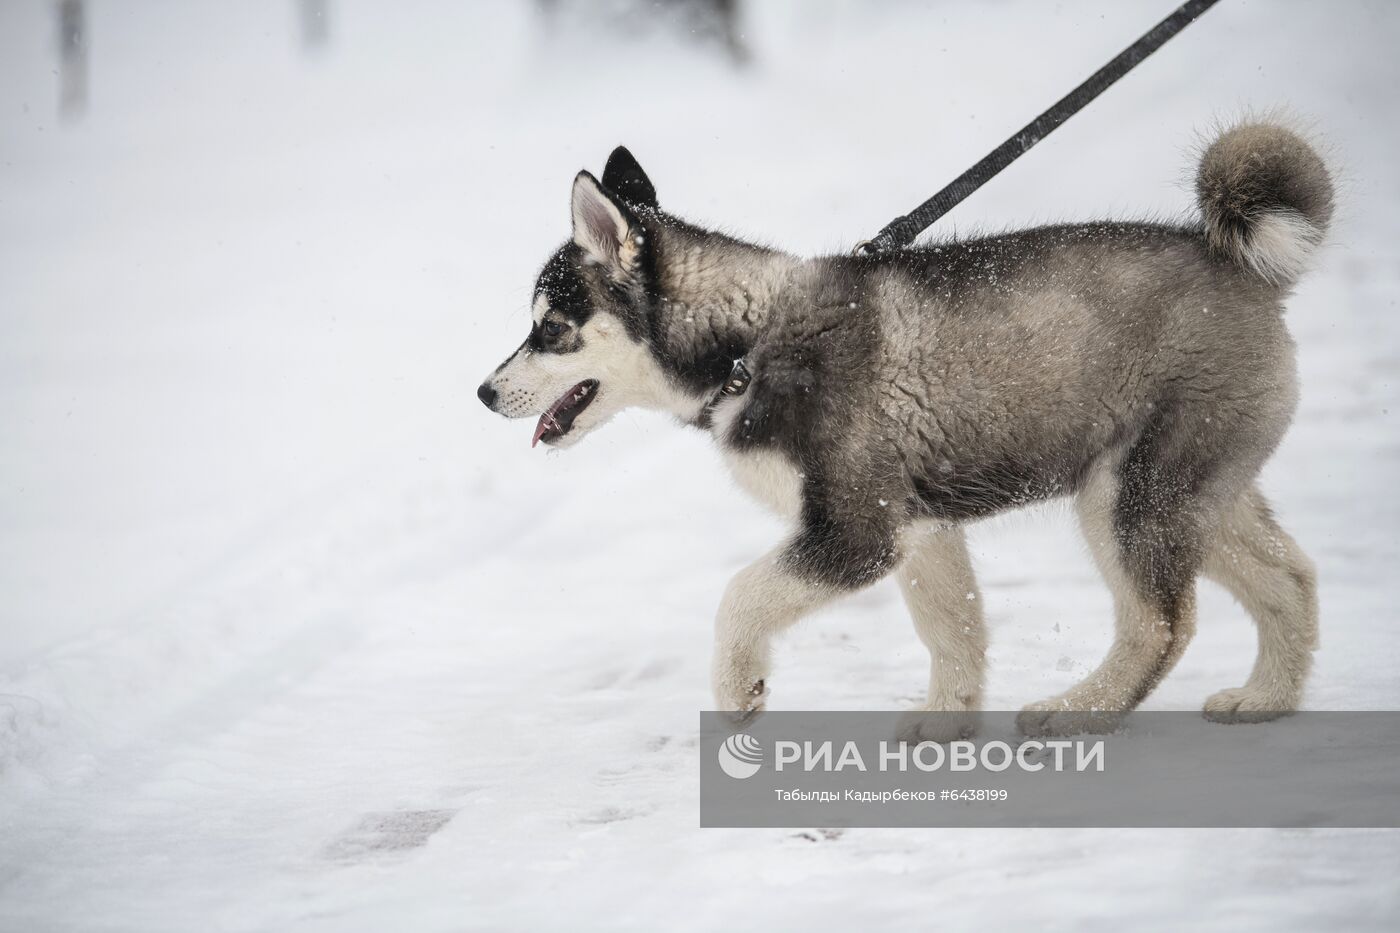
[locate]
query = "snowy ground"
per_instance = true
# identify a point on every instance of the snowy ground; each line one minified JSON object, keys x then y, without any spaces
{"x":295,"y":635}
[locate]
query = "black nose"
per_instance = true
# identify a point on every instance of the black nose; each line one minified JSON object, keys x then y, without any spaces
{"x":486,"y":394}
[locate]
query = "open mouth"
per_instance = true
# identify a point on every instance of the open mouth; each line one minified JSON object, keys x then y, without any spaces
{"x":558,"y":419}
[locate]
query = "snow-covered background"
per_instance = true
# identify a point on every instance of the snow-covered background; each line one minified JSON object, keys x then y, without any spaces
{"x":295,"y":635}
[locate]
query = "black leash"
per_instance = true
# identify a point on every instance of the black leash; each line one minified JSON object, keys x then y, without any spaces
{"x":901,"y":231}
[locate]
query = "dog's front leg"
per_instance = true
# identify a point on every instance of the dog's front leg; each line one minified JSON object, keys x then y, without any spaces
{"x":762,"y":600}
{"x":826,"y":558}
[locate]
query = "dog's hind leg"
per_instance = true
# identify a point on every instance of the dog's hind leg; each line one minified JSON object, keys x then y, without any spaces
{"x":941,"y":593}
{"x":1265,"y":570}
{"x":1143,"y":528}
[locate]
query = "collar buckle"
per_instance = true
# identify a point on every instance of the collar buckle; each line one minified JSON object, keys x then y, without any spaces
{"x":738,"y":381}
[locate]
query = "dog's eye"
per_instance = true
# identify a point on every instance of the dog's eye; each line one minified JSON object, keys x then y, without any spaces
{"x":553,"y":328}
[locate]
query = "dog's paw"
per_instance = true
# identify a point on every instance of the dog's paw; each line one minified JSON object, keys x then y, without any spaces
{"x":743,"y":705}
{"x":936,"y":725}
{"x":1246,"y":704}
{"x":740,"y":685}
{"x":1052,"y":717}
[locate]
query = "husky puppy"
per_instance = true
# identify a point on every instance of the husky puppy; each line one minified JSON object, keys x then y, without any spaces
{"x":882,"y":402}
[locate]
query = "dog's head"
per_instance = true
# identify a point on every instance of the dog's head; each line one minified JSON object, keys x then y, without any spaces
{"x":587,"y":356}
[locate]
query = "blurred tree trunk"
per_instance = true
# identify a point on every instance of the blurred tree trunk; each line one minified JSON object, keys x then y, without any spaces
{"x":72,"y":58}
{"x":315,"y":23}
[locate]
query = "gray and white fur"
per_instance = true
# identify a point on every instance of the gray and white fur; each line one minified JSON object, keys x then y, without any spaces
{"x":1142,"y":368}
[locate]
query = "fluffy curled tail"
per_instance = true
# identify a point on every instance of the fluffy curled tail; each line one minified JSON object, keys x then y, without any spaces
{"x":1266,"y":198}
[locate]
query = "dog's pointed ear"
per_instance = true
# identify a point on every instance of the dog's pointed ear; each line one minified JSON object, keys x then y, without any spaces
{"x":624,"y":176}
{"x":603,"y":225}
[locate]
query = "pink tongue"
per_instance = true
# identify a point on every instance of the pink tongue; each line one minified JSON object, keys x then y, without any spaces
{"x":550,"y":418}
{"x":546,"y":422}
